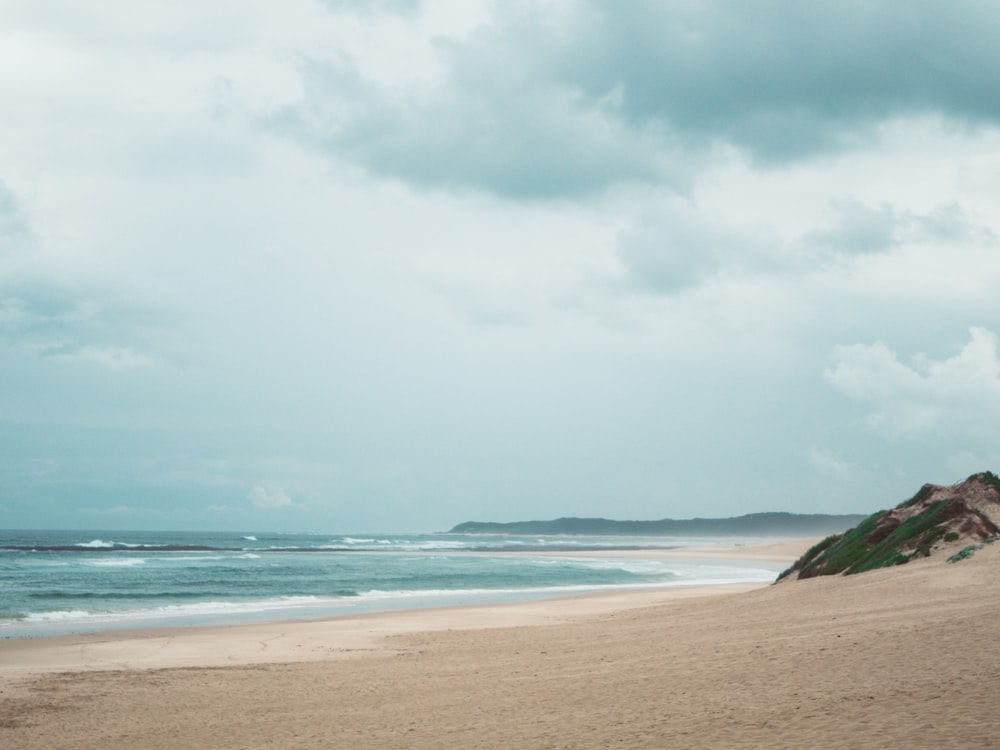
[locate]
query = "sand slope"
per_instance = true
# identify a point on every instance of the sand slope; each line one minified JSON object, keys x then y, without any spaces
{"x":906,"y":657}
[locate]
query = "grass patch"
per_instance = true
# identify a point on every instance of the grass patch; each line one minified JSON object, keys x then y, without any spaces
{"x":964,"y":553}
{"x":989,"y":477}
{"x":878,"y":542}
{"x":922,"y":494}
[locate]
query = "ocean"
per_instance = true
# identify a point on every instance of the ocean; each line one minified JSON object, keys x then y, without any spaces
{"x":59,"y":582}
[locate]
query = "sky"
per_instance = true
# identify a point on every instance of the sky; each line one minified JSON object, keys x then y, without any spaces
{"x":332,"y":266}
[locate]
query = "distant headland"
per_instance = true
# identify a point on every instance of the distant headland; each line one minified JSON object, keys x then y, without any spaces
{"x":753,"y":524}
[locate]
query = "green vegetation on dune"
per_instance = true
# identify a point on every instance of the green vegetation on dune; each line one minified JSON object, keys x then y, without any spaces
{"x":988,"y":477}
{"x":870,"y":545}
{"x":912,"y":529}
{"x":964,"y":553}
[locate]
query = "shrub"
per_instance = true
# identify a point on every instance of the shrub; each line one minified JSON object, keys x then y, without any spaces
{"x":963,"y":553}
{"x":989,"y":477}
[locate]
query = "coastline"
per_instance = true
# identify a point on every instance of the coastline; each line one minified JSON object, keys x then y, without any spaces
{"x":345,"y":635}
{"x":900,"y":657}
{"x":309,"y":640}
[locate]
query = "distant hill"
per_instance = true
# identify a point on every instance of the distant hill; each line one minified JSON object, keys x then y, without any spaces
{"x":754,"y":524}
{"x":936,"y":518}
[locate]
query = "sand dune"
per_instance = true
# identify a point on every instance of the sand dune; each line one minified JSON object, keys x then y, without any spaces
{"x":902,"y":657}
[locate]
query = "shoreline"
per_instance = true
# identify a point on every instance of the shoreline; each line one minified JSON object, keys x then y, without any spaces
{"x":787,"y":551}
{"x":339,"y":636}
{"x":293,"y":641}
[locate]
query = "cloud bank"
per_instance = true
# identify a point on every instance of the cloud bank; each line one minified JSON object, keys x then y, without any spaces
{"x":546,"y":101}
{"x":398,"y":265}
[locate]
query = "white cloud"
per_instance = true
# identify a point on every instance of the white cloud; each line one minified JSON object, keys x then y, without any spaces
{"x":564,"y":100}
{"x":827,"y":462}
{"x":858,"y":228}
{"x":269,"y":498}
{"x":950,"y":396}
{"x":675,"y":245}
{"x":108,"y":357}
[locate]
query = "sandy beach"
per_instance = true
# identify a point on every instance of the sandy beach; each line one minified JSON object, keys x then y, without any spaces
{"x":904,"y":657}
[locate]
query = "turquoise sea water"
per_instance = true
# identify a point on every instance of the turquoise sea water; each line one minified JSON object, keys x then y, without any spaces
{"x":55,"y":582}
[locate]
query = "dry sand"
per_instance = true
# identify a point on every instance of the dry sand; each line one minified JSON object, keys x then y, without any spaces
{"x":901,"y":658}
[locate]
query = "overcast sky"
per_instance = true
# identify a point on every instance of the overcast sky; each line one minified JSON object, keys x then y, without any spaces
{"x":324,"y":265}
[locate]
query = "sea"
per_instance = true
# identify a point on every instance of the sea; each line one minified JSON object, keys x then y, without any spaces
{"x":61,"y":582}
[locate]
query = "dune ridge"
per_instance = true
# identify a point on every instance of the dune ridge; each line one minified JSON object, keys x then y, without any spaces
{"x":936,"y":518}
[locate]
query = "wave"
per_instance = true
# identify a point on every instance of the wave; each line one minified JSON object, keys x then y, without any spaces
{"x":353,"y":544}
{"x":128,"y":562}
{"x":129,"y":596}
{"x":311,"y":605}
{"x":92,"y":547}
{"x":96,"y":543}
{"x":62,"y":615}
{"x":191,"y":609}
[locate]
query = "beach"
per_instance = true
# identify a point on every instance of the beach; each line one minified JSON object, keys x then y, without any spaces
{"x":901,"y":657}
